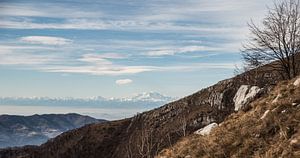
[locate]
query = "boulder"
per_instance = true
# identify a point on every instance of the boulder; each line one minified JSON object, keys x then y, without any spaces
{"x":297,"y":82}
{"x":244,"y":96}
{"x":207,"y":129}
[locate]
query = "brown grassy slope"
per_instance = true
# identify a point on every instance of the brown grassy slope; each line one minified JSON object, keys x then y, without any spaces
{"x":245,"y":134}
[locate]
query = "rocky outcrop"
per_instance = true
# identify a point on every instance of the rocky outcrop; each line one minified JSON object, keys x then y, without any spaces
{"x":244,"y":96}
{"x":265,"y":130}
{"x":206,"y":130}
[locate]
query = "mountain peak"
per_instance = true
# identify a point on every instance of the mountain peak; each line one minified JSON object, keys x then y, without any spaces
{"x":150,"y":96}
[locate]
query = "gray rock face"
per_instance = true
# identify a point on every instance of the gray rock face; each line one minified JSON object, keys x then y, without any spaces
{"x":244,"y":96}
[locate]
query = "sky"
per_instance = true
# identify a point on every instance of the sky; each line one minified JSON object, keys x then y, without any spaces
{"x":113,"y":48}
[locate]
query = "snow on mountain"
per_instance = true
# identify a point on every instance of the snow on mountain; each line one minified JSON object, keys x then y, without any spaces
{"x":150,"y":96}
{"x":142,"y":99}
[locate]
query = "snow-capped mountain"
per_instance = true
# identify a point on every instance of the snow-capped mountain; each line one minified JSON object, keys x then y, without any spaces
{"x":150,"y":96}
{"x":146,"y":99}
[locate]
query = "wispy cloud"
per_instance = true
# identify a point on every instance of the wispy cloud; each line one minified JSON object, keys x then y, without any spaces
{"x":193,"y":21}
{"x":99,"y":70}
{"x":52,"y":10}
{"x":95,"y":59}
{"x":99,"y":63}
{"x":46,"y":40}
{"x":123,"y":81}
{"x":194,"y":16}
{"x":180,"y":50}
{"x":99,"y":24}
{"x":27,"y":55}
{"x":125,"y":70}
{"x":25,"y":59}
{"x":113,"y":56}
{"x":140,"y":40}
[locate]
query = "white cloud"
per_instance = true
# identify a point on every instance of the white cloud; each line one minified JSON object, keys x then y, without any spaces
{"x":25,"y":59}
{"x":223,"y":16}
{"x":160,"y":52}
{"x":46,"y":10}
{"x":113,"y":56}
{"x":193,"y":49}
{"x":99,"y":69}
{"x":123,"y":81}
{"x":198,"y":66}
{"x":11,"y":48}
{"x":95,"y":59}
{"x":46,"y":40}
{"x":133,"y":25}
{"x":173,"y":51}
{"x":126,"y":70}
{"x":194,"y":10}
{"x":93,"y":64}
{"x":26,"y":55}
{"x":216,"y":19}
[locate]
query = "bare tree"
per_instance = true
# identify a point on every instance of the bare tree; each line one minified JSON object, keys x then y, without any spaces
{"x":183,"y":122}
{"x":182,"y":127}
{"x":129,"y":152}
{"x":277,"y":40}
{"x":146,"y":143}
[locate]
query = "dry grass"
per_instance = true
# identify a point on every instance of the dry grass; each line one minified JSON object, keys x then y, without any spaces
{"x":245,"y":134}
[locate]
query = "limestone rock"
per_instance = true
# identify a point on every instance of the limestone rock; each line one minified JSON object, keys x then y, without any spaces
{"x":207,"y":129}
{"x":244,"y":96}
{"x":297,"y":82}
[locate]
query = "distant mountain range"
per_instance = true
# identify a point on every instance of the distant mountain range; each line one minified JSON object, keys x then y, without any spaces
{"x":147,"y":100}
{"x":37,"y":129}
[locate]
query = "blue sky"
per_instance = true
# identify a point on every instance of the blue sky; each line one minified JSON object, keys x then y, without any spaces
{"x":116,"y":48}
